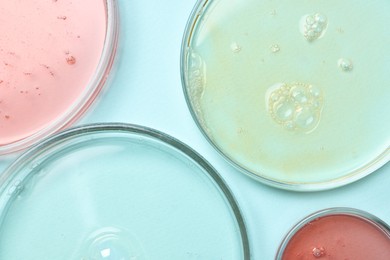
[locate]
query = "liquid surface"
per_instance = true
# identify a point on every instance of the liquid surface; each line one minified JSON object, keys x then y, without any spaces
{"x":293,"y":92}
{"x":49,"y":51}
{"x":338,"y":237}
{"x":117,"y":198}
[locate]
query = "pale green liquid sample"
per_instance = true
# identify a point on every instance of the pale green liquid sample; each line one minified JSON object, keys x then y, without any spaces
{"x":294,"y":91}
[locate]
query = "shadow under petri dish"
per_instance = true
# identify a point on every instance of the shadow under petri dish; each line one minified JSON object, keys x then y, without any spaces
{"x":294,"y":94}
{"x":117,"y":192}
{"x":54,"y":57}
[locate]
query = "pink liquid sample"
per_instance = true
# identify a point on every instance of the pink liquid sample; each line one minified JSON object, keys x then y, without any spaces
{"x":338,"y":237}
{"x":49,"y":51}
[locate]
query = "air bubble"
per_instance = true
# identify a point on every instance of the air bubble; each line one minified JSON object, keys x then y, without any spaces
{"x":314,"y":91}
{"x":320,"y":18}
{"x":235,"y":47}
{"x":196,"y":75}
{"x":196,"y":82}
{"x":313,"y":26}
{"x":113,"y":244}
{"x":284,"y":110}
{"x":295,"y":106}
{"x":16,"y":188}
{"x":275,"y":48}
{"x":305,"y":118}
{"x":299,"y":95}
{"x":310,"y":20}
{"x":275,"y":96}
{"x":345,"y":64}
{"x":318,"y":252}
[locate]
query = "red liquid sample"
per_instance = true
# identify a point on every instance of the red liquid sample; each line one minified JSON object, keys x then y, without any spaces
{"x":339,"y":237}
{"x":49,"y":51}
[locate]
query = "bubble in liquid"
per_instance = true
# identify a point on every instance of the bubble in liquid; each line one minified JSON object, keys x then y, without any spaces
{"x":16,"y":188}
{"x":345,"y":64}
{"x":235,"y":47}
{"x":313,"y":26}
{"x":110,"y":250}
{"x":113,"y":244}
{"x":284,"y":110}
{"x":305,"y":118}
{"x":318,"y":252}
{"x":275,"y":48}
{"x":295,"y":106}
{"x":196,"y":82}
{"x":314,"y":91}
{"x":298,"y":94}
{"x":195,"y":74}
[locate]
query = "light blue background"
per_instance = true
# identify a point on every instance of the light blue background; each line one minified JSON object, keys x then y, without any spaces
{"x":146,"y":89}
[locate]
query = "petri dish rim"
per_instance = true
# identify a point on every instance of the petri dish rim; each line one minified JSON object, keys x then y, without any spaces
{"x":363,"y":171}
{"x":344,"y":211}
{"x":48,"y":147}
{"x":92,"y":90}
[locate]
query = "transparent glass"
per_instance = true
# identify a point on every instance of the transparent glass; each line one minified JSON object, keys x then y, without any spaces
{"x":89,"y":95}
{"x":117,"y":191}
{"x":217,"y":40}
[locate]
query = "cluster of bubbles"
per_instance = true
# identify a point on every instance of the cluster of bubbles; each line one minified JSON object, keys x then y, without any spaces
{"x":196,"y":74}
{"x":319,"y":252}
{"x":313,"y":26}
{"x":196,"y":82}
{"x":296,"y":106}
{"x":275,"y":48}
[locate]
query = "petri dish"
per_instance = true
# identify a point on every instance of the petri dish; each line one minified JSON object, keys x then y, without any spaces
{"x":293,"y":94}
{"x":337,"y":233}
{"x":114,"y":191}
{"x":55,"y":57}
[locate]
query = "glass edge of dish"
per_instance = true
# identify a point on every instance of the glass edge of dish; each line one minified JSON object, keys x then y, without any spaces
{"x":93,"y":88}
{"x":354,"y":176}
{"x":7,"y":178}
{"x":368,"y":217}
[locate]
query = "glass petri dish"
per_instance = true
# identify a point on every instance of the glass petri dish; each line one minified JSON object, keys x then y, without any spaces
{"x":339,"y":233}
{"x":293,"y":94}
{"x":114,"y":191}
{"x":55,"y":58}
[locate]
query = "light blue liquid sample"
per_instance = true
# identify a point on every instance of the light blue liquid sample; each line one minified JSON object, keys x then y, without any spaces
{"x":116,"y":197}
